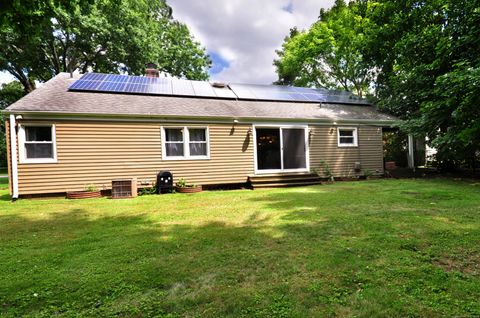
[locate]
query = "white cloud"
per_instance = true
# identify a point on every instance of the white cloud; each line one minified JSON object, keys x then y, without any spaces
{"x":6,"y":77}
{"x":246,"y":33}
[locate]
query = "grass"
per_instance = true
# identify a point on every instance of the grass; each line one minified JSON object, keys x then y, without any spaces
{"x":380,"y":248}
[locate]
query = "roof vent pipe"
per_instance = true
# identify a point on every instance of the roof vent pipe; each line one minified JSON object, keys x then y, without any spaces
{"x":151,"y":70}
{"x":219,"y":84}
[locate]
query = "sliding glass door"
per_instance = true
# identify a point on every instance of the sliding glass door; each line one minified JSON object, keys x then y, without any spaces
{"x":294,"y":148}
{"x":280,"y":149}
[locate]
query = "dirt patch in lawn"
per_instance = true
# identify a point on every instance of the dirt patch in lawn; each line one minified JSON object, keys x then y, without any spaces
{"x":465,"y":263}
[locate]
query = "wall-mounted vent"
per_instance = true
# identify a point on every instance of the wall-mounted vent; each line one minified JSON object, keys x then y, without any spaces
{"x":124,"y":188}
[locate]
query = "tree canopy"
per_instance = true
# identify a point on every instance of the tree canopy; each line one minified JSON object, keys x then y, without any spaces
{"x":418,"y":59}
{"x":9,"y":94}
{"x":42,"y":38}
{"x":427,"y":54}
{"x":329,"y":54}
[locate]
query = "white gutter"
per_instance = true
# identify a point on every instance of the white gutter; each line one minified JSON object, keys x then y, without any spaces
{"x":13,"y":154}
{"x":32,"y":115}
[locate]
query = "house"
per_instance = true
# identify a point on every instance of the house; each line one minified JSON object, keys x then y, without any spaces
{"x":79,"y":130}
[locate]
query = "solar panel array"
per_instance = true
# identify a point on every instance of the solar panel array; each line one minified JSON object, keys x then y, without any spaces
{"x":113,"y":83}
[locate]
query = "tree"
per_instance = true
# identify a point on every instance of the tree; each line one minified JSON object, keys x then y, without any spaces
{"x":9,"y":93}
{"x":329,"y":54}
{"x":42,"y":38}
{"x":427,"y":54}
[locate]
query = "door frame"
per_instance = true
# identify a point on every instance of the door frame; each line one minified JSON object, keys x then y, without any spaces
{"x":281,"y":126}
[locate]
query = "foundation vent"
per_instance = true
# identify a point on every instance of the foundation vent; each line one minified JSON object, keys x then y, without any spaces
{"x":124,"y":188}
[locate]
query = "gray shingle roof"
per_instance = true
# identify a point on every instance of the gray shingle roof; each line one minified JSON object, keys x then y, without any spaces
{"x":53,"y":97}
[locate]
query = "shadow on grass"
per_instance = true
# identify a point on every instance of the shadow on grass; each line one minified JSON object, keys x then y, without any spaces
{"x":72,"y":263}
{"x":306,"y":259}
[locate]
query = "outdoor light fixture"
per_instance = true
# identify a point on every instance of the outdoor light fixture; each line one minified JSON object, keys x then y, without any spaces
{"x":235,"y":121}
{"x":249,"y":131}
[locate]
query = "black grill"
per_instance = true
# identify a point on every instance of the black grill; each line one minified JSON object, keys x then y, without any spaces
{"x":164,"y":182}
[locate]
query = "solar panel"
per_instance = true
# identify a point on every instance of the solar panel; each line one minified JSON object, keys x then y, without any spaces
{"x":224,"y":92}
{"x":299,"y":97}
{"x":242,"y":91}
{"x":160,"y":86}
{"x":138,"y":80}
{"x":85,"y":85}
{"x":315,"y":98}
{"x":111,"y":87}
{"x":182,"y":87}
{"x":135,"y":88}
{"x":94,"y":77}
{"x":115,"y":78}
{"x":203,"y":89}
{"x":116,"y":83}
{"x":272,"y":95}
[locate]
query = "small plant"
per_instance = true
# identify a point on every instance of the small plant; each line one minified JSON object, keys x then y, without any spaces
{"x":91,"y":188}
{"x":146,"y":191}
{"x":182,"y":183}
{"x":183,"y":187}
{"x":327,"y":170}
{"x":367,"y":173}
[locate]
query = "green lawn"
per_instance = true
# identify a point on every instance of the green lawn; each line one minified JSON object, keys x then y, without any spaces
{"x":367,"y":249}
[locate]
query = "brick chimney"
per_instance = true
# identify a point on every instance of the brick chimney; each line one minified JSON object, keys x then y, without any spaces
{"x":151,"y":70}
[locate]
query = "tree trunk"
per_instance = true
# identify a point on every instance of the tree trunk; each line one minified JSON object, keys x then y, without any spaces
{"x":25,"y":80}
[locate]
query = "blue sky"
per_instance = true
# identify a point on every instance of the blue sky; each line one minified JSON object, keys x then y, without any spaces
{"x":218,"y":63}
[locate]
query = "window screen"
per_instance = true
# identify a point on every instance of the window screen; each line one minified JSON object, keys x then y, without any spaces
{"x":174,"y":142}
{"x":38,"y":142}
{"x":186,"y":142}
{"x":347,"y":137}
{"x":197,"y":141}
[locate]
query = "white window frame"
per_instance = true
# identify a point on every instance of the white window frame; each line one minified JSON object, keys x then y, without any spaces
{"x":22,"y":140}
{"x":186,"y":143}
{"x":281,"y":126}
{"x":355,"y":137}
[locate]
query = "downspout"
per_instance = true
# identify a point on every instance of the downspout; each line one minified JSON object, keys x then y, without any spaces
{"x":13,"y":153}
{"x":411,"y":158}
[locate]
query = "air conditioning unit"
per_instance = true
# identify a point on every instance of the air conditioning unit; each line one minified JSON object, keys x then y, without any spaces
{"x":124,"y":188}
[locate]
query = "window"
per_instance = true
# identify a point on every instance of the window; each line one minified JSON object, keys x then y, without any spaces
{"x":347,"y":137}
{"x":37,"y":143}
{"x":174,"y":142}
{"x":197,"y":142}
{"x":185,"y":143}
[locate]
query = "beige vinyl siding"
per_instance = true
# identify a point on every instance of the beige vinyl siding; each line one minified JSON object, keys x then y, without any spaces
{"x":97,"y":152}
{"x":324,"y":146}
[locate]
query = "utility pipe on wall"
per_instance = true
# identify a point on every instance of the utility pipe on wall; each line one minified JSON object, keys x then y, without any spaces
{"x":411,"y":158}
{"x":13,"y":153}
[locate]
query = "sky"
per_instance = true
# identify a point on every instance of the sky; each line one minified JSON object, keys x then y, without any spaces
{"x":241,"y":36}
{"x":5,"y":77}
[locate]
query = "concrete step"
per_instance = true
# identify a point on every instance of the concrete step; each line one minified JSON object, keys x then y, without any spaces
{"x":284,"y":184}
{"x":282,"y":176}
{"x":283,"y":180}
